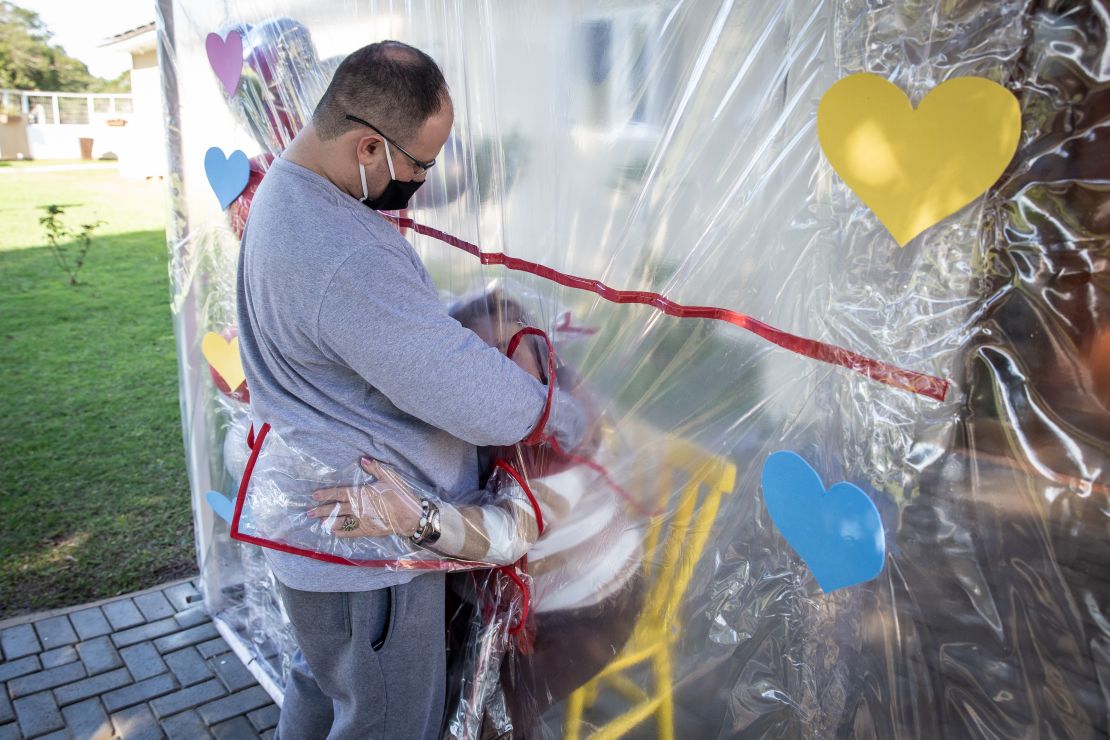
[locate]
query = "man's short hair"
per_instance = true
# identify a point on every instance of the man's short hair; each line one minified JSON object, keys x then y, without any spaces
{"x":392,"y":85}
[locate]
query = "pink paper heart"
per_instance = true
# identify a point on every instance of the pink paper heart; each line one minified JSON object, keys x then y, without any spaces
{"x":226,"y":58}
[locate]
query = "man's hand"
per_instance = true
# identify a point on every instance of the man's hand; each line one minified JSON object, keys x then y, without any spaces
{"x":384,"y":507}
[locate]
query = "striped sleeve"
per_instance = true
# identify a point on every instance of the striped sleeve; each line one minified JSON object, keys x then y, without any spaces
{"x":499,"y":531}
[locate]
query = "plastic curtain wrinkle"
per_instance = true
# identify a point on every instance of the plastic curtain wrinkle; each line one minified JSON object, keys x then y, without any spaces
{"x":670,"y":148}
{"x":367,"y":514}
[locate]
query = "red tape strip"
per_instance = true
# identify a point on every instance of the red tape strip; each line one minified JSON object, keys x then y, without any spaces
{"x":536,"y":435}
{"x":908,"y":380}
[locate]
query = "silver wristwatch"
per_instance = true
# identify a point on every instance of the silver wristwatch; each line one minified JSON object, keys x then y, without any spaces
{"x":427,"y":531}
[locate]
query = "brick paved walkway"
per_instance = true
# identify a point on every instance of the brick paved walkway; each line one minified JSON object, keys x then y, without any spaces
{"x":146,"y":665}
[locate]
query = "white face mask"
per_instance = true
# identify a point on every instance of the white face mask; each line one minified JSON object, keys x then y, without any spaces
{"x":396,"y":194}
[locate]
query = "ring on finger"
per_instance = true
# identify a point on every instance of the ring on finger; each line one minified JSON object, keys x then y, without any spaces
{"x":350,"y":523}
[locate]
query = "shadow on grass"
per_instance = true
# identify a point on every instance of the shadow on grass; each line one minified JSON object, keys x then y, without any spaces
{"x":96,"y":500}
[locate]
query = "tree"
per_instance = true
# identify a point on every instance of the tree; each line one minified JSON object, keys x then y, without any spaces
{"x":121,"y":84}
{"x":28,"y":61}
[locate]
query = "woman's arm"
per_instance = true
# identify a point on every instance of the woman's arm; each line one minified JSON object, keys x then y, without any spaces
{"x":499,"y":530}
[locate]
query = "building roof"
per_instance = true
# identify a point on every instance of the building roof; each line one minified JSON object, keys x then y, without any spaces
{"x":128,"y":35}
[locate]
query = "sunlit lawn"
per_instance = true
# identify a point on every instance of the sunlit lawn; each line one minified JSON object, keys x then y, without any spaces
{"x":23,"y":164}
{"x":93,"y":493}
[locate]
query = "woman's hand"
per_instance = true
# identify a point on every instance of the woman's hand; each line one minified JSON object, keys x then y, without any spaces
{"x":383,"y":507}
{"x":529,"y":362}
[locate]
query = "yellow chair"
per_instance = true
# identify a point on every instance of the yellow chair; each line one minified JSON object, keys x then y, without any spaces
{"x":667,"y":575}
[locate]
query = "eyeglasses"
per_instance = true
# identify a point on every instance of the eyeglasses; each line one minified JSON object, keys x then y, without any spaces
{"x":424,"y":166}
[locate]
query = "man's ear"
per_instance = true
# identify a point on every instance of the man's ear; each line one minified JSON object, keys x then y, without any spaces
{"x":368,"y":147}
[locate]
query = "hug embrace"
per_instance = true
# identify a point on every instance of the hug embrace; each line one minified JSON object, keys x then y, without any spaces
{"x":424,"y":472}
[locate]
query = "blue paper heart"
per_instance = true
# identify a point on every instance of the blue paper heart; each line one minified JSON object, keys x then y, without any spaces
{"x":221,"y":504}
{"x":837,"y":533}
{"x":227,"y":175}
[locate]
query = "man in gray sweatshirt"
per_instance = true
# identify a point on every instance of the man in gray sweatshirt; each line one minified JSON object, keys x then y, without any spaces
{"x":349,"y":353}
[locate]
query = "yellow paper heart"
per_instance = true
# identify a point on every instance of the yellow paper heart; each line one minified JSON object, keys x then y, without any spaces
{"x":223,"y":355}
{"x":913,"y":168}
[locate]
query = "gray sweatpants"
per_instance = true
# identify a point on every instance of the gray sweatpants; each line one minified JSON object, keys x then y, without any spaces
{"x":371,"y":664}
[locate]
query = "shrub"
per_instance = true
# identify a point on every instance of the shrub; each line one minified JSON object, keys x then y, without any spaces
{"x":57,"y":236}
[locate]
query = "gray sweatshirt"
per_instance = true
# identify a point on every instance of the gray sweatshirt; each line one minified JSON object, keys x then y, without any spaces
{"x":349,"y":352}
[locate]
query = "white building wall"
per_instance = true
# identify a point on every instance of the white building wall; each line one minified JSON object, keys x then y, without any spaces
{"x":143,"y":153}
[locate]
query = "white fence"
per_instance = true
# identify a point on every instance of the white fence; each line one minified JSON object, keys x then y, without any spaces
{"x":55,"y":123}
{"x":78,"y":109}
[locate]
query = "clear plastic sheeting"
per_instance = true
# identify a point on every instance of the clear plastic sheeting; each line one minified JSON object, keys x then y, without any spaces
{"x":363,"y":515}
{"x":671,"y":148}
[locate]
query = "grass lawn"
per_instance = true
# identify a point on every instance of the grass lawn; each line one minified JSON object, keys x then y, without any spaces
{"x":22,"y":164}
{"x":94,"y":498}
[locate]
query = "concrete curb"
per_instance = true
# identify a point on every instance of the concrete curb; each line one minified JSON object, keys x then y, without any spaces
{"x":36,"y":616}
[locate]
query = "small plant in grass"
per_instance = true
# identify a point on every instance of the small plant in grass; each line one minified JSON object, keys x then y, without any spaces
{"x":57,"y":234}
